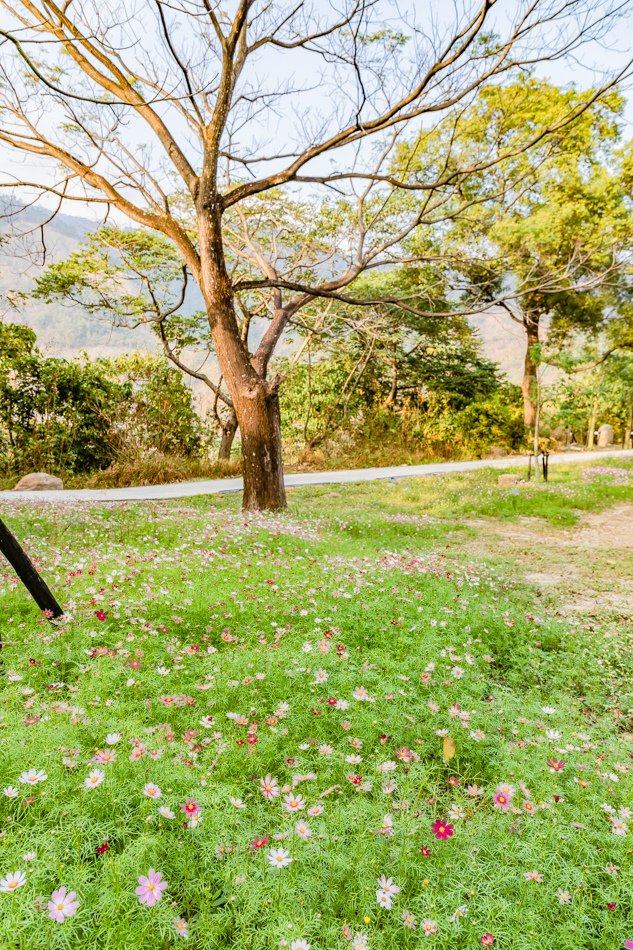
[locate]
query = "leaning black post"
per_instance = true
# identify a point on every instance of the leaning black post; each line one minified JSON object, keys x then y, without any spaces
{"x":23,"y":567}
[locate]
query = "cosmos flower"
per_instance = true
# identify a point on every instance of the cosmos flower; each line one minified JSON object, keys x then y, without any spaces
{"x":62,"y":905}
{"x":33,"y":777}
{"x":269,"y":787}
{"x":279,"y":858}
{"x":181,"y":927}
{"x":151,"y":791}
{"x":442,"y":830}
{"x":94,"y":779}
{"x":11,"y":882}
{"x":151,"y":887}
{"x":409,"y":920}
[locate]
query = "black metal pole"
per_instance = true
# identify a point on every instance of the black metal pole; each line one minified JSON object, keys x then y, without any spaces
{"x":23,"y":567}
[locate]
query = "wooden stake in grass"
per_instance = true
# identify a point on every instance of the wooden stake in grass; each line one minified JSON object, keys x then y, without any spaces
{"x":23,"y":567}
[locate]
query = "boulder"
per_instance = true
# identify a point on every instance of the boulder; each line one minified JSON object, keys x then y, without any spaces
{"x":508,"y":479}
{"x":605,"y":436}
{"x":39,"y":481}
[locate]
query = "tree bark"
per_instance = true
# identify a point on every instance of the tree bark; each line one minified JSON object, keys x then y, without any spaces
{"x":626,"y":442}
{"x":228,"y":428}
{"x":530,"y":369}
{"x":591,"y":430}
{"x":255,"y":399}
{"x":262,"y":468}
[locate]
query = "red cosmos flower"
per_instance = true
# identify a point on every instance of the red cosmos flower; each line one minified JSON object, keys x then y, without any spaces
{"x":102,"y":848}
{"x":252,"y":740}
{"x":612,"y":905}
{"x":355,"y":779}
{"x":556,"y":765}
{"x":442,"y":830}
{"x":425,"y":852}
{"x":101,"y":615}
{"x":487,"y":940}
{"x":258,"y":843}
{"x":239,"y":742}
{"x":331,"y":701}
{"x":135,"y":664}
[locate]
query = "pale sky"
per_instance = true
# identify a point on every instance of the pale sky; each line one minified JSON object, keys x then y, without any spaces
{"x":596,"y":59}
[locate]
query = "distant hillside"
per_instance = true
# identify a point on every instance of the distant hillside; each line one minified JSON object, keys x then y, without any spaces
{"x":66,"y":331}
{"x":61,"y":330}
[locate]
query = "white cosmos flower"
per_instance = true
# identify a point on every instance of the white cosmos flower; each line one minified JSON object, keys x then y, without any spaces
{"x":384,"y":900}
{"x":95,"y":778}
{"x":33,"y":776}
{"x":11,"y":882}
{"x":279,"y":858}
{"x":386,"y":884}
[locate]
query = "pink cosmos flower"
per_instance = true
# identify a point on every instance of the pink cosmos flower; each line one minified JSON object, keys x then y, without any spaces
{"x":487,"y":940}
{"x":190,"y":808}
{"x":181,"y":927}
{"x":151,"y":887}
{"x":62,"y":905}
{"x":502,"y":801}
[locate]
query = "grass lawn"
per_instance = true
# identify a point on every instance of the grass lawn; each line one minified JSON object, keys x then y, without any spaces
{"x":358,"y":724}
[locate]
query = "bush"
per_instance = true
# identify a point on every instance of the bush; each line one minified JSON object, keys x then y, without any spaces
{"x":78,"y":417}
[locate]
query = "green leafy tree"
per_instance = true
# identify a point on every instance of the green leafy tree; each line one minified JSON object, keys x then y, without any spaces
{"x":133,"y":278}
{"x":54,"y":414}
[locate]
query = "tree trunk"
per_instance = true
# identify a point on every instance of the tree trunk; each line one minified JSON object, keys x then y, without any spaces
{"x":260,"y":425}
{"x":592,"y":422}
{"x":228,"y":428}
{"x":530,"y":367}
{"x":626,"y":443}
{"x":255,"y":399}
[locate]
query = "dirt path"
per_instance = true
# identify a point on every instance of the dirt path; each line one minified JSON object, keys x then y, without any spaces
{"x":586,"y":570}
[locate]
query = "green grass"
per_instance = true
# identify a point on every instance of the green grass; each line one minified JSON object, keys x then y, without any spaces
{"x":227,"y":604}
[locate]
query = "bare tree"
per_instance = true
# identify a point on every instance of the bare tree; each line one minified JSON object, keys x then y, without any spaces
{"x":138,"y":101}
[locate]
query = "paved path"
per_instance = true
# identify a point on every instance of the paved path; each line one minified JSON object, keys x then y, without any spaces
{"x":223,"y":485}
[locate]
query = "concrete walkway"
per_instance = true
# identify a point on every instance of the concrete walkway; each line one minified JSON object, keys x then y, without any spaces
{"x":215,"y":486}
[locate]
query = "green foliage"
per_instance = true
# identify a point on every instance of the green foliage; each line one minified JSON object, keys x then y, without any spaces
{"x":54,"y":414}
{"x":158,"y":414}
{"x":80,"y":416}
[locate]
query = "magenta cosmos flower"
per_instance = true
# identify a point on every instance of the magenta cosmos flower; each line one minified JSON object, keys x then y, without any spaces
{"x":62,"y":905}
{"x":151,"y":888}
{"x":442,"y":830}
